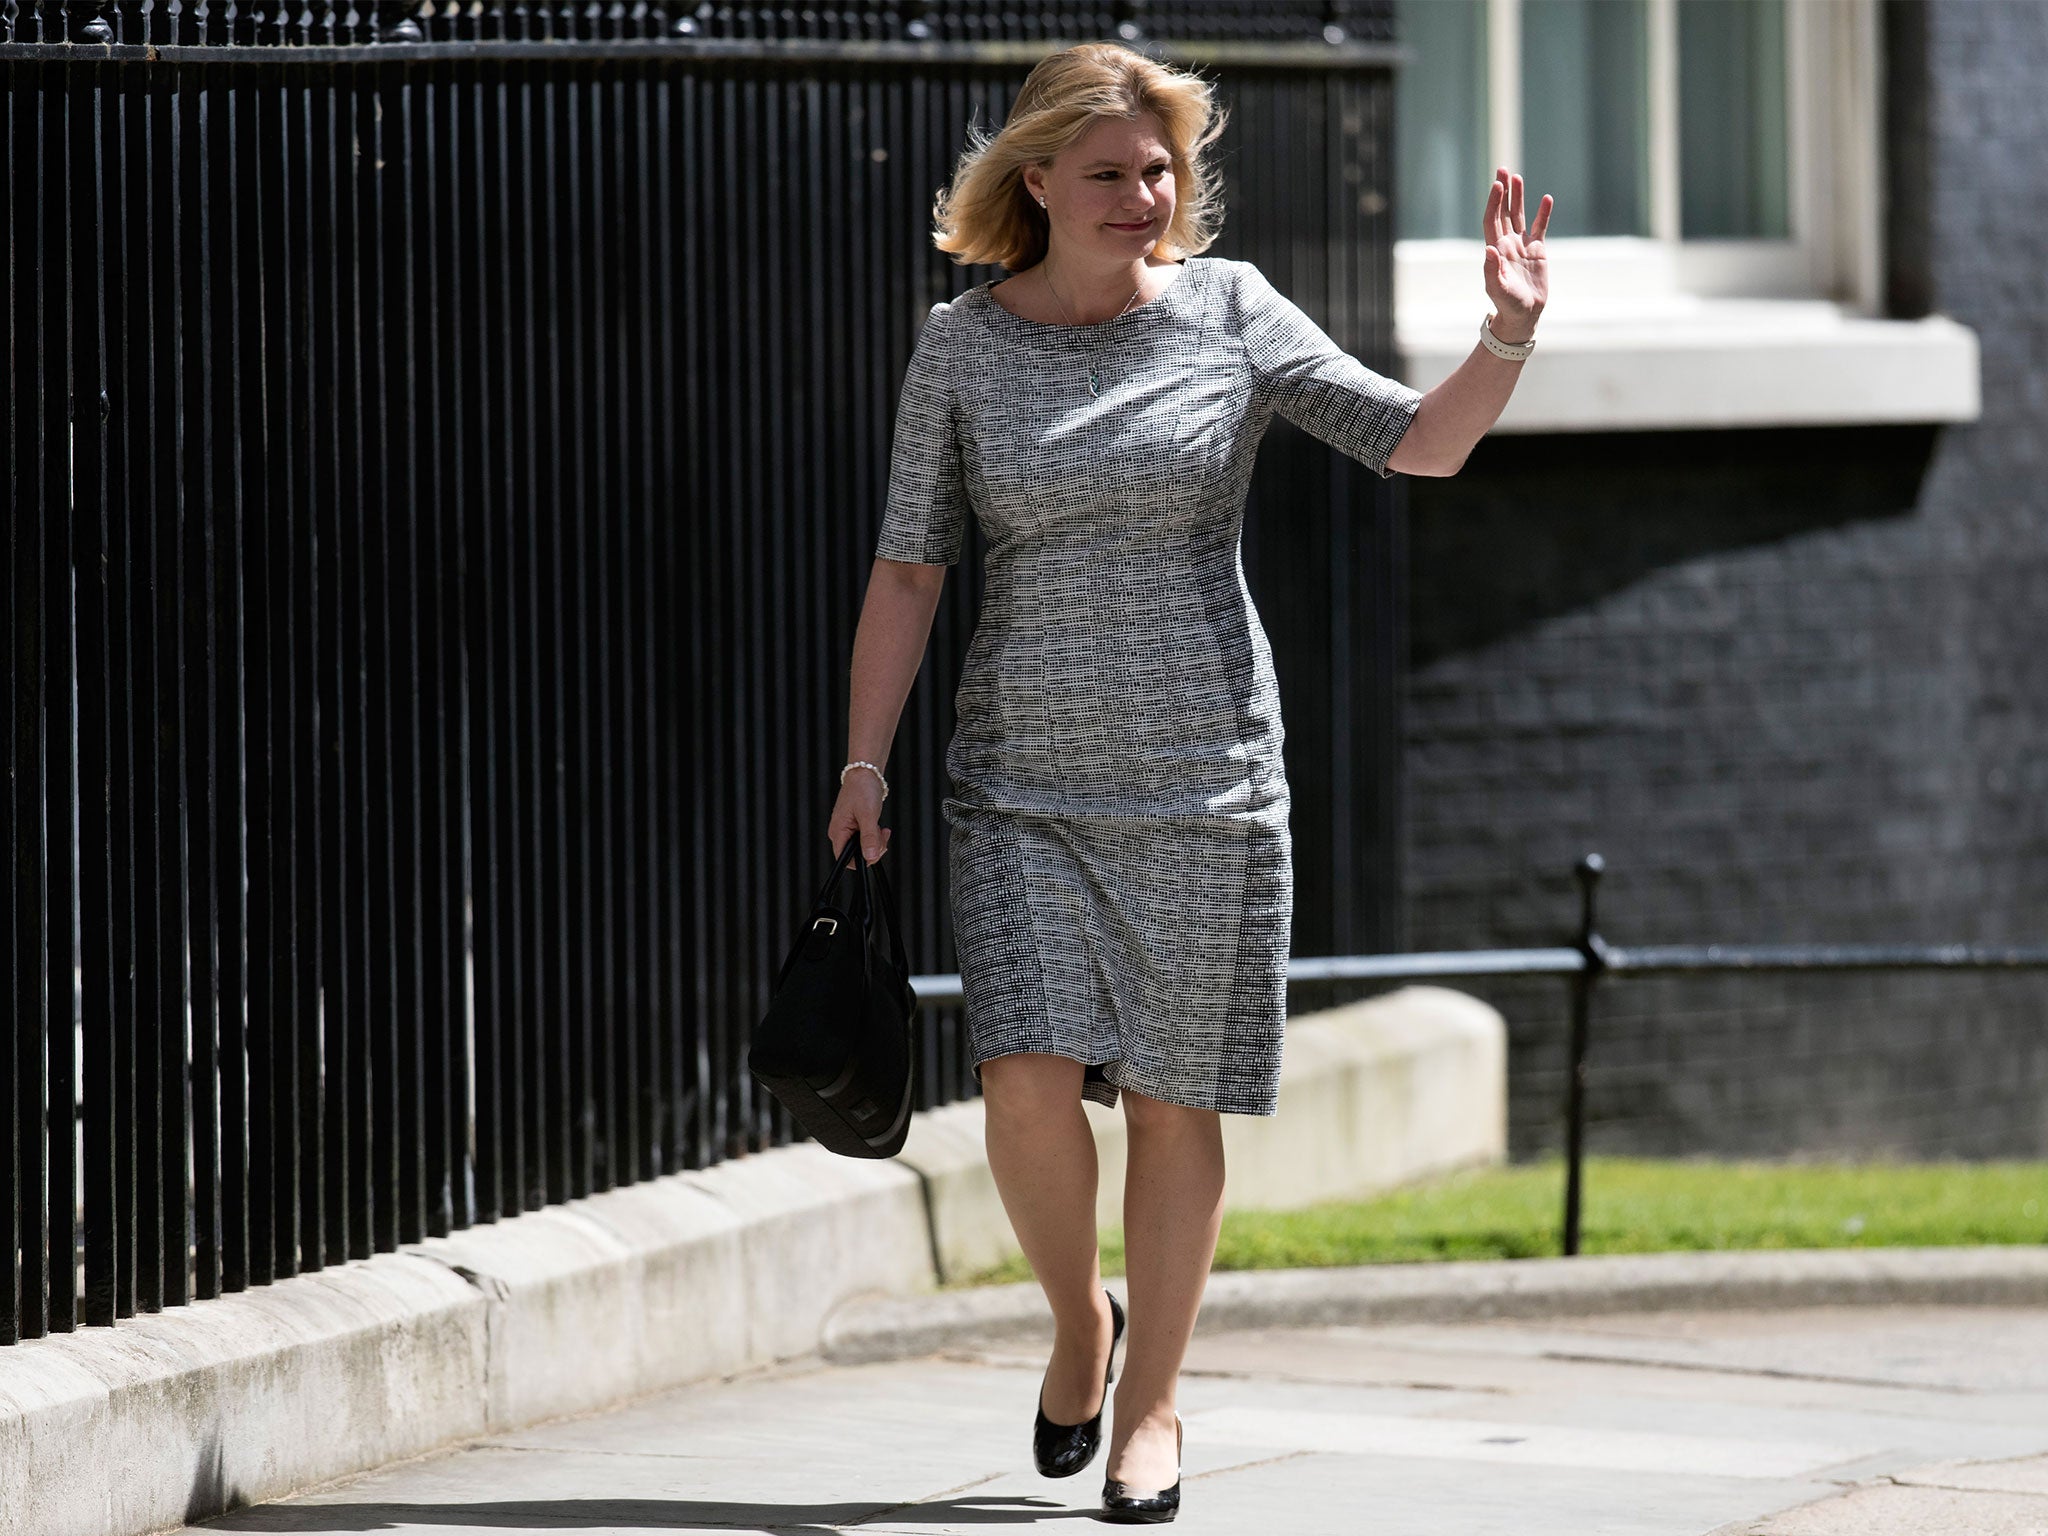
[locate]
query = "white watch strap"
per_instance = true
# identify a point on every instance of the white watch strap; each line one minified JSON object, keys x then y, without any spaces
{"x":1513,"y":351}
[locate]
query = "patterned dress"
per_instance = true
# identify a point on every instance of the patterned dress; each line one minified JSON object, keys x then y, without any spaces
{"x":1120,"y":858}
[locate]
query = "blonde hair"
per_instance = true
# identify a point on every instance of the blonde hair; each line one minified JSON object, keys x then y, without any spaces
{"x":988,"y":215}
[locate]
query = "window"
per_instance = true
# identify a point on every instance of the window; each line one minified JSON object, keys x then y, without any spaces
{"x":1715,"y":165}
{"x":1662,"y":121}
{"x":1733,"y":153}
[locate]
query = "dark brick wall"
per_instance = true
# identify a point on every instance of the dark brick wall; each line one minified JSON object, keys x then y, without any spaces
{"x":1792,"y":685}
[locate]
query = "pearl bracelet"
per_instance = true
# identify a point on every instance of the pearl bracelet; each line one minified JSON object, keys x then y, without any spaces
{"x":871,"y":768}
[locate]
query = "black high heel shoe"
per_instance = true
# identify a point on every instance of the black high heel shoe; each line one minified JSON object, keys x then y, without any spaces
{"x":1120,"y":1504}
{"x":1061,"y":1450}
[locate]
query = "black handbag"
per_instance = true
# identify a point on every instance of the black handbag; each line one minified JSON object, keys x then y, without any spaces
{"x":834,"y":1045}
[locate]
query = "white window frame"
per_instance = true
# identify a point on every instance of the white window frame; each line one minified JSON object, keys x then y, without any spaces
{"x":1832,"y":127}
{"x":1645,"y":332}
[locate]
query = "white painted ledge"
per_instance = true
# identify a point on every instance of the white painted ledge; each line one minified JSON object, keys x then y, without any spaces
{"x":177,"y":1416}
{"x":1702,"y":362}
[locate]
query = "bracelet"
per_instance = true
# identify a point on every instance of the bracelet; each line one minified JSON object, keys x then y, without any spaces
{"x":871,"y":768}
{"x":1513,"y":351}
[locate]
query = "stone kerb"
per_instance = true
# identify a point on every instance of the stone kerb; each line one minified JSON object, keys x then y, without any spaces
{"x":178,"y":1416}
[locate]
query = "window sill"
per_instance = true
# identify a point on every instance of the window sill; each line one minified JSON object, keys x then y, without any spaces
{"x":1713,"y":362}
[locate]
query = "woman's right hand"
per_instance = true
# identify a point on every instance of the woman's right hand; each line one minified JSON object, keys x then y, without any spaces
{"x":859,"y":809}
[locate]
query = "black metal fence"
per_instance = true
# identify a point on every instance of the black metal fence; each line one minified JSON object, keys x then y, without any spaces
{"x":333,"y":520}
{"x":1591,"y":958}
{"x":444,"y":448}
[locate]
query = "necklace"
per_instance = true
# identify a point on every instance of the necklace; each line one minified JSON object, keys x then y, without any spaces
{"x":1094,"y":371}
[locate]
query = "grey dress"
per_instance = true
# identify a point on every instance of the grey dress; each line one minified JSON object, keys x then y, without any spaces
{"x":1120,"y":859}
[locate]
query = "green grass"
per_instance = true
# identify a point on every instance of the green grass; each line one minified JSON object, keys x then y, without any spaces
{"x":1636,"y":1205}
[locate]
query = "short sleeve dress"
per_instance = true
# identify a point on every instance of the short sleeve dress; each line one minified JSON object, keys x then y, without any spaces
{"x":1119,"y":850}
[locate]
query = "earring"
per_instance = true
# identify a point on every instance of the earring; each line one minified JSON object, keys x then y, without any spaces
{"x":1041,"y":202}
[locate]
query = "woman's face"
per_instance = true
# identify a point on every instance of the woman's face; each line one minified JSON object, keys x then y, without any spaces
{"x":1109,"y":194}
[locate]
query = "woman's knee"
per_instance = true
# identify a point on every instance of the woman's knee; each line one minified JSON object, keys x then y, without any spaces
{"x":1142,"y":1113}
{"x":1029,"y":1084}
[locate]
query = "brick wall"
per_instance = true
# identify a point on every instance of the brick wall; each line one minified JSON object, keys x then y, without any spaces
{"x":1793,"y":686}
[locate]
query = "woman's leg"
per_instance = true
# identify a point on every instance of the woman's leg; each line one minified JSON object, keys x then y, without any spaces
{"x":1042,"y":1153}
{"x":1173,"y":1209}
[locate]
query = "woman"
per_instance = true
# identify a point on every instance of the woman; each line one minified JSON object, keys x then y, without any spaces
{"x":1120,"y":860}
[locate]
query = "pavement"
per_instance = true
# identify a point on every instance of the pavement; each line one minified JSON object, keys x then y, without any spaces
{"x":1819,"y":1420}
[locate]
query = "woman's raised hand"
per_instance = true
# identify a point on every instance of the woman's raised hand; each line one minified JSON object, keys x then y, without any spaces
{"x":1516,"y":277}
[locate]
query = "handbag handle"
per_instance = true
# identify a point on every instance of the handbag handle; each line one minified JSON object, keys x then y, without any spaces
{"x":873,"y":875}
{"x":838,"y":867}
{"x":895,"y":920}
{"x":869,"y":877}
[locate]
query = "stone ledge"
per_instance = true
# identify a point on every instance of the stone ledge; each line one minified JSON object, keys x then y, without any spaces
{"x":178,"y":1416}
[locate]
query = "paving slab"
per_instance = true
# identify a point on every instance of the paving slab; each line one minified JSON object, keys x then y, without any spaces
{"x":1808,"y":1421}
{"x":2011,"y":1474}
{"x":1889,"y":1510}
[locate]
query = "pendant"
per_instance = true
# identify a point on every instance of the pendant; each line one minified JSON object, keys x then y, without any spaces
{"x":1093,"y":380}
